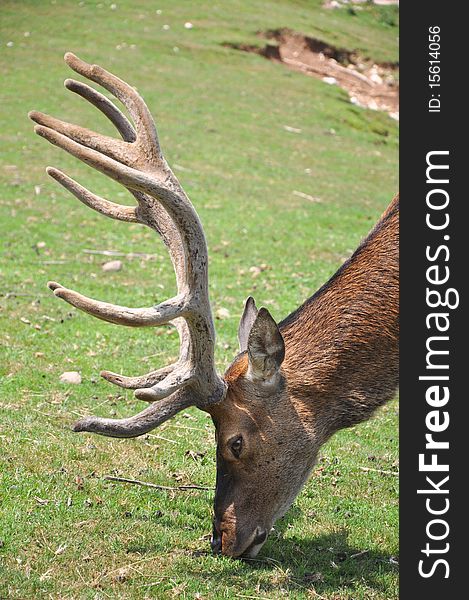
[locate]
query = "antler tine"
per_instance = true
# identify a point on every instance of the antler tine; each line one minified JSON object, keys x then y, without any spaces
{"x":137,"y":163}
{"x":122,"y":315}
{"x":154,"y":377}
{"x":179,"y":377}
{"x":101,"y":205}
{"x":139,"y":424}
{"x":168,"y":192}
{"x":137,"y":108}
{"x":142,"y":381}
{"x":108,"y":108}
{"x":118,"y":150}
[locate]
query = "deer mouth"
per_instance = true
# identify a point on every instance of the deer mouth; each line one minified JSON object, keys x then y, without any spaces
{"x":257,"y":543}
{"x":247,"y":548}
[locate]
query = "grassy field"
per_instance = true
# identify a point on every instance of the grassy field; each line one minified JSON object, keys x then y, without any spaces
{"x":225,"y":120}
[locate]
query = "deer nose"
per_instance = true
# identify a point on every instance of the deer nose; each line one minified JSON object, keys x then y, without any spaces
{"x":216,"y":540}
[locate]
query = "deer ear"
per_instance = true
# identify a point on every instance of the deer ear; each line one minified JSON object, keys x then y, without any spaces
{"x":266,"y":348}
{"x":247,"y":321}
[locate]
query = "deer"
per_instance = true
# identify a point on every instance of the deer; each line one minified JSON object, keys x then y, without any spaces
{"x":328,"y":365}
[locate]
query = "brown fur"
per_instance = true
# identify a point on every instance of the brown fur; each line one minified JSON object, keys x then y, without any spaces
{"x":341,"y":363}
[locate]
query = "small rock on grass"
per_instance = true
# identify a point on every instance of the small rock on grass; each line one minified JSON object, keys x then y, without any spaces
{"x":71,"y":377}
{"x":222,"y":313}
{"x":112,"y":265}
{"x":121,"y":575}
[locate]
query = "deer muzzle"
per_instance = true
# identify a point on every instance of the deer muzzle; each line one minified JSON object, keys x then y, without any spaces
{"x":238,"y":545}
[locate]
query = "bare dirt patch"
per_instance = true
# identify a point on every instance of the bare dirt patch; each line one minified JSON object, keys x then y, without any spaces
{"x":369,"y":84}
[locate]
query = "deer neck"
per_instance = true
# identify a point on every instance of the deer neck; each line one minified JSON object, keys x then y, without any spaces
{"x":342,"y":344}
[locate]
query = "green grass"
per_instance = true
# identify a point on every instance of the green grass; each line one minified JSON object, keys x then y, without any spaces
{"x":65,"y":532}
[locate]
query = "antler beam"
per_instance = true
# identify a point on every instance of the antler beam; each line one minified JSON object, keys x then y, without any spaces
{"x":137,"y":163}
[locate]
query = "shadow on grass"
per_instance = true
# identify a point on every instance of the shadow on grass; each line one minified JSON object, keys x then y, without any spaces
{"x":323,"y":564}
{"x":326,"y":563}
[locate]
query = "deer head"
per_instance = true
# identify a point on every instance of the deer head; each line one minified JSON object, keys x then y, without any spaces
{"x":328,"y":365}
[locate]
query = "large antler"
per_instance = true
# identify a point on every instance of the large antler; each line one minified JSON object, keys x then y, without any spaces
{"x":138,"y":164}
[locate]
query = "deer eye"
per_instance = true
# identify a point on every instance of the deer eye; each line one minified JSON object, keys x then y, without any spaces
{"x":236,"y":446}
